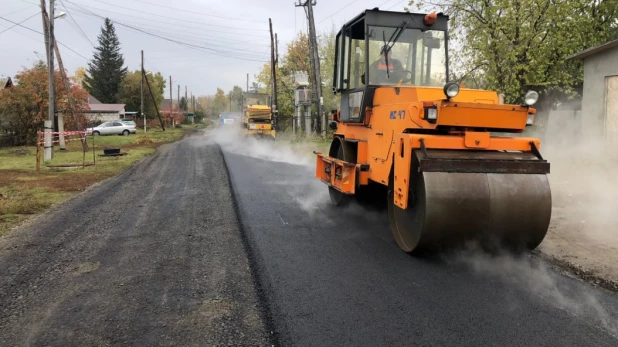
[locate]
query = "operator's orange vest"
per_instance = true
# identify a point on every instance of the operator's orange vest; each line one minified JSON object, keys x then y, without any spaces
{"x":382,"y":66}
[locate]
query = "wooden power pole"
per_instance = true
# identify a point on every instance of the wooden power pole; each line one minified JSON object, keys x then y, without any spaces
{"x":171,"y":102}
{"x":273,"y":68}
{"x":67,"y":87}
{"x":153,"y":99}
{"x":141,"y":107}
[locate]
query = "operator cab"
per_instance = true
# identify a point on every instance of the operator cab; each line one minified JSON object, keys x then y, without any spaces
{"x":384,"y":48}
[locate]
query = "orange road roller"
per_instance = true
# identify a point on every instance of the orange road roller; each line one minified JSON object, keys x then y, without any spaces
{"x":431,"y":150}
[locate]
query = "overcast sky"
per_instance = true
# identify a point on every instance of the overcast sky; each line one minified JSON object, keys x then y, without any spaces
{"x":220,"y":41}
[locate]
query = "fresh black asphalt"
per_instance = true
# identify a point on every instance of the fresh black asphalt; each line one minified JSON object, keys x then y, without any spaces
{"x":335,"y":277}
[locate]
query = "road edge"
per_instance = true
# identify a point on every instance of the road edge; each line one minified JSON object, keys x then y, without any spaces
{"x":578,"y":272}
{"x":265,"y":308}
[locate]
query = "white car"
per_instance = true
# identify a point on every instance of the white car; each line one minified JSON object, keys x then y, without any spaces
{"x":113,"y":128}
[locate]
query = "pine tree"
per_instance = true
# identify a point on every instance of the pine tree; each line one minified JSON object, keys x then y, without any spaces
{"x":106,"y":70}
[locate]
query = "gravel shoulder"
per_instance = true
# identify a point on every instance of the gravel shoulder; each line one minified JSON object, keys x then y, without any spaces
{"x":151,"y":257}
{"x":582,"y":237}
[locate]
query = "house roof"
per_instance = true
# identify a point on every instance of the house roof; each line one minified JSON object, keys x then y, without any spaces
{"x":593,"y":50}
{"x":165,"y":104}
{"x":6,"y":83}
{"x":106,"y":108}
{"x":93,"y":100}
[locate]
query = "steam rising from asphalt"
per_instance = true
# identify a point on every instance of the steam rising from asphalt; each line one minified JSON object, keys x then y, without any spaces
{"x":300,"y":155}
{"x":576,"y":168}
{"x":310,"y":194}
{"x":585,"y":196}
{"x":531,"y":275}
{"x":584,"y":174}
{"x":233,"y":141}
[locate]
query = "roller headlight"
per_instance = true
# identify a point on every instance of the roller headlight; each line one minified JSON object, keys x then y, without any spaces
{"x":451,"y":89}
{"x":531,"y":98}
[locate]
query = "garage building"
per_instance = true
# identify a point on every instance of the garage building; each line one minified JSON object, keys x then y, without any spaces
{"x":600,"y":94}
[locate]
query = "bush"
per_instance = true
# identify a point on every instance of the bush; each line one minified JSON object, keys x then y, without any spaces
{"x":178,"y":126}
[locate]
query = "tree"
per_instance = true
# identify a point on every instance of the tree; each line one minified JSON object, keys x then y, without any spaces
{"x":235,"y":96}
{"x":80,"y":75}
{"x":221,"y":102}
{"x":520,"y":45}
{"x":23,"y":107}
{"x":326,"y":49}
{"x":106,"y":71}
{"x":130,"y":92}
{"x":297,"y":55}
{"x":184,"y":105}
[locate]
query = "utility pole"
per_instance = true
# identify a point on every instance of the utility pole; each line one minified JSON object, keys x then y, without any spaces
{"x":141,"y":108}
{"x":65,"y":81}
{"x":171,"y":102}
{"x":153,"y":100}
{"x":46,"y":29}
{"x":247,"y":79}
{"x":178,"y":100}
{"x":273,"y":68}
{"x":315,"y":64}
{"x":193,"y":106}
{"x":49,"y":126}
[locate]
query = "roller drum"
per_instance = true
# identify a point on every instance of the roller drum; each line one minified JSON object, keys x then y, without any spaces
{"x":450,"y":208}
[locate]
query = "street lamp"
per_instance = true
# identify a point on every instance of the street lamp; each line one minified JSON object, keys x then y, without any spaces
{"x":60,"y":15}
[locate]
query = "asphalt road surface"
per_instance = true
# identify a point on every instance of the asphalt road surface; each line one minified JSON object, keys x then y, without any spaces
{"x":336,"y":278}
{"x":158,"y":256}
{"x":152,"y":257}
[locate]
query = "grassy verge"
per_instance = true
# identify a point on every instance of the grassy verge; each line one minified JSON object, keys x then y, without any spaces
{"x":24,"y":192}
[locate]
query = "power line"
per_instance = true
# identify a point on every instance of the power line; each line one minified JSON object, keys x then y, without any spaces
{"x":396,"y":4}
{"x":21,"y":9}
{"x":83,"y":7}
{"x":184,"y":20}
{"x":382,"y":4}
{"x":40,"y":33}
{"x":185,"y":38}
{"x":167,"y":30}
{"x":168,"y":17}
{"x":180,"y":42}
{"x":201,"y":13}
{"x":11,"y":27}
{"x":339,"y":10}
{"x":150,"y":32}
{"x":80,"y":29}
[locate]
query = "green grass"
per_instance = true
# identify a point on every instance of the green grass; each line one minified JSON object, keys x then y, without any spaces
{"x":25,"y":192}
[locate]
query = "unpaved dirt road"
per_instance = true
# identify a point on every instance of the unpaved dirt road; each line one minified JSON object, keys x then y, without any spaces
{"x":153,"y":257}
